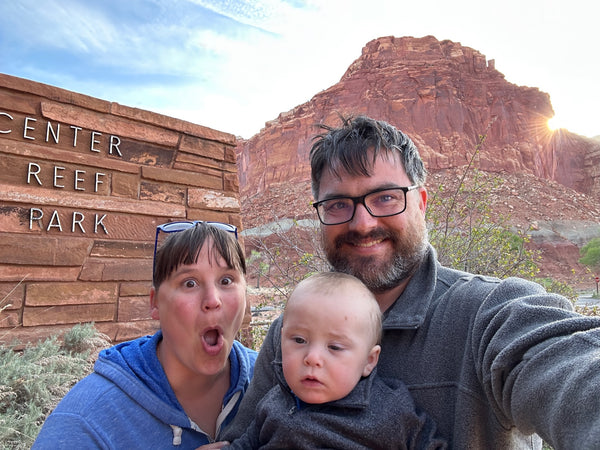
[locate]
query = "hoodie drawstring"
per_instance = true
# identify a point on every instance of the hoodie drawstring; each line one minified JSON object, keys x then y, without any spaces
{"x":176,"y":434}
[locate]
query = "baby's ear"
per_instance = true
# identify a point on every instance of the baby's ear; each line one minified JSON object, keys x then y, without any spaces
{"x":372,"y":360}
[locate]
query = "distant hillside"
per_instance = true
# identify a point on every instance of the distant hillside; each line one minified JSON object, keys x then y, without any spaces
{"x":444,"y":96}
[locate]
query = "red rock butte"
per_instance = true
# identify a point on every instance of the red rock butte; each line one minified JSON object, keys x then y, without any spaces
{"x":444,"y":96}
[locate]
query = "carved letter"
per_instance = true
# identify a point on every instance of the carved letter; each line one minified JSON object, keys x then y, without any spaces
{"x":75,"y":129}
{"x":49,"y":129}
{"x":99,"y":222}
{"x":77,"y":180}
{"x":27,"y":127}
{"x":10,"y":117}
{"x":53,"y":219}
{"x":115,"y":141}
{"x":77,"y":219}
{"x":94,"y":141}
{"x":98,"y":180}
{"x":34,"y":173}
{"x":57,"y":176}
{"x":33,"y":217}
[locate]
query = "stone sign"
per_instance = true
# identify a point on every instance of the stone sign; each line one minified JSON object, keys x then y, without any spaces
{"x":83,"y":184}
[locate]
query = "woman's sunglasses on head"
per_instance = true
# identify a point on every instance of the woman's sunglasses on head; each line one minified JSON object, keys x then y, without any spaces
{"x":175,"y":227}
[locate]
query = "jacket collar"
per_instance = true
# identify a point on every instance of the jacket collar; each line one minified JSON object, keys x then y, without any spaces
{"x":409,"y":310}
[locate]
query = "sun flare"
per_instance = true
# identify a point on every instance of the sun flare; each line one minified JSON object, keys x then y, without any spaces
{"x":554,"y":124}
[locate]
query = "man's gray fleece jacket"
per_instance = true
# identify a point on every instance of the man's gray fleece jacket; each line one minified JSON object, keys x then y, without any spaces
{"x":492,"y":362}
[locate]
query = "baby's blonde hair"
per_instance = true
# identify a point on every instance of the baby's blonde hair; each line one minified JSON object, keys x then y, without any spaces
{"x":329,"y":282}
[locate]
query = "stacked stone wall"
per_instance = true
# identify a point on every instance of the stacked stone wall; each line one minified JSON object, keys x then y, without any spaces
{"x":83,"y":184}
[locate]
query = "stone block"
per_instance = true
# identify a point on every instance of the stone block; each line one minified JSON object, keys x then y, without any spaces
{"x":231,"y":183}
{"x":126,"y":269}
{"x":211,"y":216}
{"x":58,"y":175}
{"x":230,"y":156}
{"x":49,"y":294}
{"x":202,"y":147}
{"x":109,"y":124}
{"x":43,"y":250}
{"x":23,"y":104}
{"x":37,"y":152}
{"x":29,"y":88}
{"x":125,"y":185}
{"x":133,"y":227}
{"x":188,"y":161}
{"x":145,"y":153}
{"x":129,"y":289}
{"x":125,"y":331}
{"x":205,"y":179}
{"x":15,"y":273}
{"x":66,"y":314}
{"x":209,"y":199}
{"x":48,"y":197}
{"x":9,"y":319}
{"x":124,"y":249}
{"x":133,"y":308}
{"x":162,"y":192}
{"x":11,"y":295}
{"x":173,"y":124}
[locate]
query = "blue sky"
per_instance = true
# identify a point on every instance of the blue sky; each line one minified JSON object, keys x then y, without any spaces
{"x":233,"y":65}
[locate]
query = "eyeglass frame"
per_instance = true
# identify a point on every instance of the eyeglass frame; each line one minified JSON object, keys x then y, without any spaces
{"x":186,"y":225}
{"x":361,"y":200}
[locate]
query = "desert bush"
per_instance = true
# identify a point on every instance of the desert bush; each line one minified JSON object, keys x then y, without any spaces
{"x":34,"y":379}
{"x":469,"y":235}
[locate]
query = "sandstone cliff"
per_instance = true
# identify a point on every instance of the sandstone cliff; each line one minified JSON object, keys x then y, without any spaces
{"x":444,"y":96}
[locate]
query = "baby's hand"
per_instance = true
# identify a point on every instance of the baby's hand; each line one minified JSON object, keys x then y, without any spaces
{"x":213,"y":446}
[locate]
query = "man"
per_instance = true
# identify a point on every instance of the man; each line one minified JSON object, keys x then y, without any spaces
{"x":495,"y":363}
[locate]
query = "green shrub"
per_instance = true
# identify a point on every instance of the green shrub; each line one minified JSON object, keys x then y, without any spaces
{"x":33,"y":380}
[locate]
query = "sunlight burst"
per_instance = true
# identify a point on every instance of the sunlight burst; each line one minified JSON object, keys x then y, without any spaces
{"x":554,"y":124}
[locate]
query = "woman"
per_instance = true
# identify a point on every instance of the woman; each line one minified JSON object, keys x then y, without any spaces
{"x":181,"y":386}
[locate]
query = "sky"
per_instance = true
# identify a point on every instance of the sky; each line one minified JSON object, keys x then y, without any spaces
{"x":233,"y":65}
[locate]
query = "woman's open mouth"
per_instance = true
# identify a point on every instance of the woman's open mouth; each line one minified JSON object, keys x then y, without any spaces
{"x":212,"y":341}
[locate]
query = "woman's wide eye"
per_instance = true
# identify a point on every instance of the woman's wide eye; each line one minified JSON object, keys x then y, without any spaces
{"x":190,"y":283}
{"x":226,"y":281}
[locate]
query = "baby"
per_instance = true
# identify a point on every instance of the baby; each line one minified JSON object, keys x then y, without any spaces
{"x":328,"y":393}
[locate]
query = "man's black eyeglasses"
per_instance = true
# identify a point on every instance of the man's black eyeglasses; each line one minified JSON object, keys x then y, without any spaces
{"x":379,"y":203}
{"x":174,"y":227}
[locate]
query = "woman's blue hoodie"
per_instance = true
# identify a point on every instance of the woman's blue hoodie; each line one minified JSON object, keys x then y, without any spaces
{"x":127,"y":402}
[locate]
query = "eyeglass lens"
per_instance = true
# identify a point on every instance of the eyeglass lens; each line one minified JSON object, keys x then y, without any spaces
{"x":384,"y":203}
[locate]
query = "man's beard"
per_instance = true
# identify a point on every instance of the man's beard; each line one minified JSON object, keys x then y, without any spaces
{"x":377,"y":273}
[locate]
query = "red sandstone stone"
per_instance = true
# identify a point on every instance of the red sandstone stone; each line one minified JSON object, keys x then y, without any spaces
{"x":65,"y":314}
{"x":209,"y":199}
{"x":50,"y":294}
{"x":135,"y":288}
{"x":133,"y":308}
{"x":183,"y":177}
{"x":109,"y":124}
